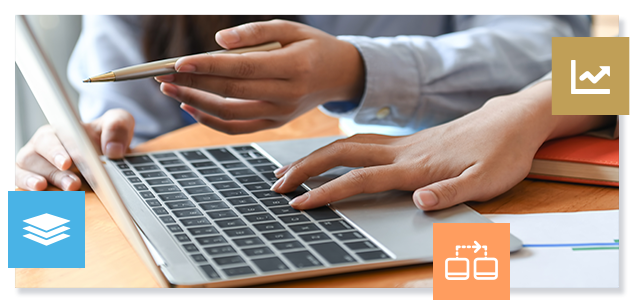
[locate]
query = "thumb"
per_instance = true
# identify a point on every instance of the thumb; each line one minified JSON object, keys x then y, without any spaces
{"x":117,"y":128}
{"x":255,"y":33}
{"x":448,"y":192}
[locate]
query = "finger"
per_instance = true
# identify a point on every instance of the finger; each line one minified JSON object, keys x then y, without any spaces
{"x":255,"y":33}
{"x":230,"y":127}
{"x":117,"y":127}
{"x":268,"y":89}
{"x":256,"y":65}
{"x":28,"y":180}
{"x":38,"y":165}
{"x":450,"y":192}
{"x":222,"y":107}
{"x":47,"y":144}
{"x":366,"y":180}
{"x":339,"y":153}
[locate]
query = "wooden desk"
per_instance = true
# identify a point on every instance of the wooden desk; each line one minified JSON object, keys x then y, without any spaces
{"x":110,"y":261}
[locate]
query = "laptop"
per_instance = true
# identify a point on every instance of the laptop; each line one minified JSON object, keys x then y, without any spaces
{"x":205,"y":217}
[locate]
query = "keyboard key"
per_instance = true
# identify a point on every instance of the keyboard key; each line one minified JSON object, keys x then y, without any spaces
{"x":361,"y":245}
{"x":164,"y":189}
{"x":266,"y":168}
{"x":333,"y":253}
{"x":187,"y":213}
{"x":198,"y":221}
{"x":266,"y":194}
{"x":184,"y":175}
{"x":180,"y":205}
{"x":122,"y":166}
{"x":134,"y":180}
{"x":230,"y":223}
{"x":219,"y":250}
{"x":269,"y":176}
{"x":299,"y":218}
{"x":218,"y":178}
{"x":275,"y":202}
{"x":222,"y":155}
{"x":268,"y":226}
{"x":297,"y":192}
{"x":257,"y":251}
{"x":315,"y":237}
{"x":203,"y":230}
{"x":259,"y":186}
{"x":288,"y":245}
{"x":206,"y":198}
{"x":128,"y":173}
{"x":210,"y":272}
{"x":211,"y":240}
{"x":140,"y":187}
{"x":322,"y":213}
{"x":302,"y":259}
{"x":251,"y":154}
{"x":213,"y":206}
{"x":155,"y":174}
{"x":174,"y":228}
{"x":221,"y":214}
{"x":304,"y":228}
{"x":277,"y":236}
{"x":248,"y":242}
{"x":284,"y":210}
{"x":241,"y":172}
{"x":171,"y":162}
{"x":373,"y":255}
{"x":231,"y":272}
{"x":250,"y":209}
{"x":167,"y":219}
{"x":210,"y":171}
{"x":244,"y":148}
{"x":160,"y":181}
{"x":118,"y":161}
{"x":191,"y":248}
{"x":153,"y":203}
{"x":164,"y":155}
{"x":233,"y":193}
{"x":160,"y":211}
{"x":229,"y":260}
{"x":199,"y":258}
{"x":193,"y":155}
{"x":172,"y":196}
{"x":242,"y":201}
{"x":239,"y":232}
{"x":191,"y":182}
{"x":259,"y":161}
{"x":344,"y":236}
{"x":270,"y":264}
{"x":225,"y":186}
{"x":182,"y":238}
{"x":203,"y":164}
{"x":336,"y":225}
{"x":177,"y":168}
{"x":146,"y":195}
{"x":249,"y":179}
{"x":234,"y":165}
{"x":198,"y":190}
{"x":146,"y":168}
{"x":136,"y":160}
{"x":262,"y":217}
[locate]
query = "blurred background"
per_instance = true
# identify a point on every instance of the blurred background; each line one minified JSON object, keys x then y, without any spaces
{"x":58,"y":35}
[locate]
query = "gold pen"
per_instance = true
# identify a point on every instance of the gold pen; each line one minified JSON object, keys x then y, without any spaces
{"x":167,"y":66}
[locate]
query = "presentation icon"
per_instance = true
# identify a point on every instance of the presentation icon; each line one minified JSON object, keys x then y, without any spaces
{"x":464,"y":274}
{"x":587,"y":75}
{"x":48,"y":229}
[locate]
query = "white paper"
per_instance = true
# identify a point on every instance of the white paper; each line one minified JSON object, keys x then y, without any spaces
{"x":563,"y":267}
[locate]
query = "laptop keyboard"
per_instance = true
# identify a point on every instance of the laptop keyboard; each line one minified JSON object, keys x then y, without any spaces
{"x":218,"y":205}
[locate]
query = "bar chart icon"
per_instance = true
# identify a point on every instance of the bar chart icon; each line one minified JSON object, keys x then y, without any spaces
{"x":46,"y":229}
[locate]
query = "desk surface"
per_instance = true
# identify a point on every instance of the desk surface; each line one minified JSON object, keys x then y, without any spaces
{"x":111,"y":262}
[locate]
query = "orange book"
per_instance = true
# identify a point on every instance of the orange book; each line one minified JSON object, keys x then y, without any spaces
{"x":579,"y":159}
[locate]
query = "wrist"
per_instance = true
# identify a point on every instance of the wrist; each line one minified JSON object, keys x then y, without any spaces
{"x":351,"y":82}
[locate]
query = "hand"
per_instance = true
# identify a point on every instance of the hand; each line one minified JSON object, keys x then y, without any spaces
{"x":44,"y":160}
{"x":274,"y":87}
{"x":473,"y":158}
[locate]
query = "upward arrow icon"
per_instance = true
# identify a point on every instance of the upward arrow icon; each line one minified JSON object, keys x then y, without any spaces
{"x":594,"y":79}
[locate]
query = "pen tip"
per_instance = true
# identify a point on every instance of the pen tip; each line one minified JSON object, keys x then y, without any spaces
{"x":86,"y":80}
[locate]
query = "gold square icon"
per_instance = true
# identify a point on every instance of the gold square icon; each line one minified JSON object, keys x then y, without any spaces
{"x":582,"y":81}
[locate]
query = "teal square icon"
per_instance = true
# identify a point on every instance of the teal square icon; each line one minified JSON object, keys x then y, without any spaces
{"x":46,"y":229}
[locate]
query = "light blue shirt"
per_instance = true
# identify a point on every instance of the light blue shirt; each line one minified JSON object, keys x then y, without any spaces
{"x":420,"y":71}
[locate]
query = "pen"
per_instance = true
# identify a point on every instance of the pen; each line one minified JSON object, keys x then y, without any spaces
{"x":167,"y":66}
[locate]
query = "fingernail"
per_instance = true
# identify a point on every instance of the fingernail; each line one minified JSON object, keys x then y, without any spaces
{"x":114,"y":150}
{"x":426,"y":199}
{"x":277,"y":184}
{"x":168,"y":90}
{"x":299,"y":200}
{"x":165,"y":78}
{"x":229,"y":36}
{"x":59,"y":161}
{"x":186,"y":68}
{"x":66,"y":182}
{"x":279,"y":172}
{"x":31,"y":182}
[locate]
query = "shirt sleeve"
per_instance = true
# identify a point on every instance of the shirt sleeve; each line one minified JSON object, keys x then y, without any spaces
{"x":419,"y":81}
{"x":107,"y":43}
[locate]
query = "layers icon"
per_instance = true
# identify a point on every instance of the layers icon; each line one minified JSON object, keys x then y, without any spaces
{"x":48,"y":229}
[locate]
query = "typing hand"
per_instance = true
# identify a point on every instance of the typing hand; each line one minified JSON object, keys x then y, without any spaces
{"x":261,"y":90}
{"x":44,"y":160}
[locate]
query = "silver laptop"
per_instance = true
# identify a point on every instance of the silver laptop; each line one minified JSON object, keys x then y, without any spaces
{"x":206,"y":216}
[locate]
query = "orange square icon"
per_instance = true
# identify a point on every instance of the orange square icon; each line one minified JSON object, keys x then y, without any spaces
{"x":471,"y":261}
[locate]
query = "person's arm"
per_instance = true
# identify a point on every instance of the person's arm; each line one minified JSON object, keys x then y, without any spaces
{"x":111,"y":42}
{"x":475,"y":157}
